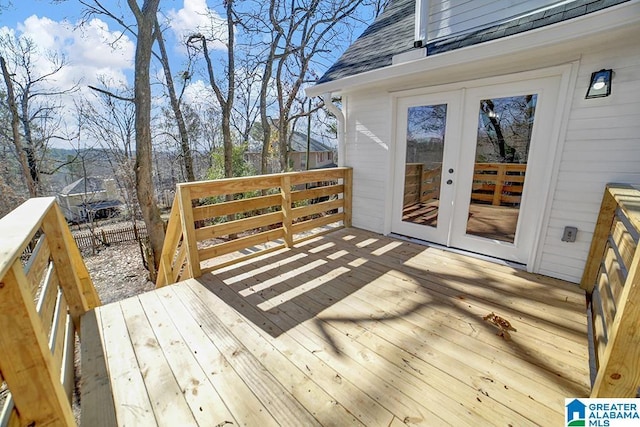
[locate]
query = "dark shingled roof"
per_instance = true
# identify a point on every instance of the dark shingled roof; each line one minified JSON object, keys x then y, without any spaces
{"x":392,"y":33}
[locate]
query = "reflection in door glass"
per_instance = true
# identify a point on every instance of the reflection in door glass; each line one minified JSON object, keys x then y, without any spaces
{"x":502,"y":148}
{"x":425,"y":148}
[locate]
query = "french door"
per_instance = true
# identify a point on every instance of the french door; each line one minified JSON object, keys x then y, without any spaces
{"x":470,"y":166}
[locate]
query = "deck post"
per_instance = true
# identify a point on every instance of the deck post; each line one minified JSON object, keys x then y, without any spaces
{"x":599,"y":240}
{"x":285,"y":191}
{"x":188,"y":228}
{"x":171,"y":240}
{"x":73,"y":276}
{"x":619,"y":373}
{"x":348,"y":196}
{"x":27,"y":364}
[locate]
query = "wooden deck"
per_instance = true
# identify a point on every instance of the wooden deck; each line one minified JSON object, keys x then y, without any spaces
{"x":345,"y":329}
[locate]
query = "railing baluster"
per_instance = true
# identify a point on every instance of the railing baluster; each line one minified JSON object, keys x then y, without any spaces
{"x":287,"y":222}
{"x":189,"y":231}
{"x":28,"y":366}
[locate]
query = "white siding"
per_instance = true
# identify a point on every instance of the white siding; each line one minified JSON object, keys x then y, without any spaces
{"x":602,"y":145}
{"x":367,"y":151}
{"x":450,"y":17}
{"x":599,"y":143}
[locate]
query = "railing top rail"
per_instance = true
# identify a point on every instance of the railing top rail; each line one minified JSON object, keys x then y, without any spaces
{"x":259,"y":178}
{"x":628,"y":199}
{"x":18,"y":227}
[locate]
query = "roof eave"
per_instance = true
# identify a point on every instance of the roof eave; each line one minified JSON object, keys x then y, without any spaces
{"x":623,"y":15}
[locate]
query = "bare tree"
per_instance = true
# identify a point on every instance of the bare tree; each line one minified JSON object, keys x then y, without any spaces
{"x":175,"y":105}
{"x":295,"y":36}
{"x":95,"y":7}
{"x":146,"y":20}
{"x":15,"y":130}
{"x":34,"y":103}
{"x":224,"y":99}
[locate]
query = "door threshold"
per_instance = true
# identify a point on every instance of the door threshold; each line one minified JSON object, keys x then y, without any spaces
{"x":476,"y":255}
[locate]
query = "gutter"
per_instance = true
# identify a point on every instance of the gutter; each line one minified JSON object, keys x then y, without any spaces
{"x":326,"y":98}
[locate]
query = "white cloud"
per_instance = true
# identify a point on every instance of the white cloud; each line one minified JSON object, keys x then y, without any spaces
{"x":196,"y":17}
{"x":199,"y":92}
{"x":90,"y":50}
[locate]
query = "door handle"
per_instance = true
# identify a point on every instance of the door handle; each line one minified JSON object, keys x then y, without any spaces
{"x":449,"y":181}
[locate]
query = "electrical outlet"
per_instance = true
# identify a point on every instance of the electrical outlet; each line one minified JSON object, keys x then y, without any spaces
{"x":569,"y":234}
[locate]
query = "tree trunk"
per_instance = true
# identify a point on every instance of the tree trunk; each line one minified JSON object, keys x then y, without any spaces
{"x":146,"y":18}
{"x":175,"y":105}
{"x":15,"y":129}
{"x":226,"y":112}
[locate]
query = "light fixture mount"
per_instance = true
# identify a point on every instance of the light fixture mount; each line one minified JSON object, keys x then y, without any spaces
{"x":600,"y":84}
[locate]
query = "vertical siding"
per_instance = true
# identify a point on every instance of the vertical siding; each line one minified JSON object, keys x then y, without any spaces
{"x":449,"y":17}
{"x":602,"y":145}
{"x":367,"y":151}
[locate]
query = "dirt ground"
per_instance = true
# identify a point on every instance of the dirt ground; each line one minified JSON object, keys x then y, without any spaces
{"x":117,"y":272}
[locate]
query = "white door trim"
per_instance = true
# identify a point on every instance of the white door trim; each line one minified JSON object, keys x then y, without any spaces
{"x":568,"y":76}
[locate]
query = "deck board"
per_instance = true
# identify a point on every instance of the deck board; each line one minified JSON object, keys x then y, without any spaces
{"x":350,"y":328}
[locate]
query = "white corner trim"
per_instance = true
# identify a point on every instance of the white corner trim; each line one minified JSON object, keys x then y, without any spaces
{"x":421,"y":21}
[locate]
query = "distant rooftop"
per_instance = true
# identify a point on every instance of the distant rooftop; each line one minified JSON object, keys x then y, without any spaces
{"x":393,"y":33}
{"x":79,"y":187}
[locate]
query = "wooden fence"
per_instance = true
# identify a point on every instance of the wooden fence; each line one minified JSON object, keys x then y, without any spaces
{"x":273,"y":210}
{"x":87,"y":239}
{"x":498,"y":184}
{"x":612,"y":281}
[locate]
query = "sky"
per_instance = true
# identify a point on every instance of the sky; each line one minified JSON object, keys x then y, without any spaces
{"x":54,"y":27}
{"x":98,"y":50}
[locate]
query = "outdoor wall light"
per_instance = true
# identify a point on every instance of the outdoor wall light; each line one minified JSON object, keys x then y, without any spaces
{"x":600,"y":84}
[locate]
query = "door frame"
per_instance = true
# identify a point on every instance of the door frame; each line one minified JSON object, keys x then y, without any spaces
{"x":453,"y":100}
{"x":568,"y":77}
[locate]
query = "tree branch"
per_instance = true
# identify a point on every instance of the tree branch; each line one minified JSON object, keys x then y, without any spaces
{"x":111,"y":94}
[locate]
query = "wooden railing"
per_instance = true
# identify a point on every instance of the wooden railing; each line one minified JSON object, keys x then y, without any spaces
{"x":498,"y":184}
{"x":42,"y":300}
{"x":421,"y":184}
{"x":612,"y":281}
{"x":270,"y":210}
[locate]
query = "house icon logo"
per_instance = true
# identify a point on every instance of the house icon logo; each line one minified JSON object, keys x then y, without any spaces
{"x":576,"y":413}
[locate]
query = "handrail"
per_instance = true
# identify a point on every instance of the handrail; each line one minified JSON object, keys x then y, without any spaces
{"x":39,"y":336}
{"x":612,"y":280}
{"x":268,"y":209}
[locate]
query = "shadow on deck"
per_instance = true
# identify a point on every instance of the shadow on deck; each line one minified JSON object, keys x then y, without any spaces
{"x":349,"y":328}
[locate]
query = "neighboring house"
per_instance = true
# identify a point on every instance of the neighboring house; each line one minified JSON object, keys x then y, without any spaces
{"x":89,"y":198}
{"x":467,"y":123}
{"x":320,"y":155}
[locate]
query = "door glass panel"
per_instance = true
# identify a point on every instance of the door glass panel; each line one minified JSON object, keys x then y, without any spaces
{"x":502,"y":148}
{"x":423,"y":169}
